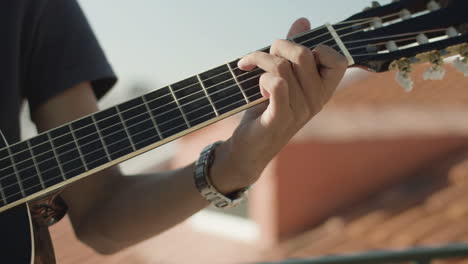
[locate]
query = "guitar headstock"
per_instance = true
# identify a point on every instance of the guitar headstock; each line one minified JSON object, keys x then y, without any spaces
{"x":405,"y":32}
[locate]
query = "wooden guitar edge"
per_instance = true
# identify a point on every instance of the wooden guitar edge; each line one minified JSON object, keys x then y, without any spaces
{"x":136,"y":153}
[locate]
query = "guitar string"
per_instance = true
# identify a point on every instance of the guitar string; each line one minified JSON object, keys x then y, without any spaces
{"x":116,"y":142}
{"x":156,"y":135}
{"x":379,"y":53}
{"x":119,"y":131}
{"x":384,"y":42}
{"x":366,"y":20}
{"x":151,"y":128}
{"x":121,"y":140}
{"x":114,"y":132}
{"x":188,"y":95}
{"x":186,"y":87}
{"x":80,"y":167}
{"x":142,"y":140}
{"x":60,"y":176}
{"x":396,"y":35}
{"x":212,"y":77}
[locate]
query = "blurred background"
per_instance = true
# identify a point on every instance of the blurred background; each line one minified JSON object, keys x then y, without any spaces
{"x":378,"y":168}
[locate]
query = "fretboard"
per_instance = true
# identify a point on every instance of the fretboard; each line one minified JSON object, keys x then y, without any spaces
{"x":95,"y":142}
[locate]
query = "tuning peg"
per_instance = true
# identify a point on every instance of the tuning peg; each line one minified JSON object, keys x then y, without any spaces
{"x":403,"y":77}
{"x":403,"y":66}
{"x":405,"y":14}
{"x":374,"y":4}
{"x":451,"y":32}
{"x":391,"y":46}
{"x":376,"y":23}
{"x":433,"y":6}
{"x":461,"y":63}
{"x":436,"y":72}
{"x":422,"y":39}
{"x":405,"y":81}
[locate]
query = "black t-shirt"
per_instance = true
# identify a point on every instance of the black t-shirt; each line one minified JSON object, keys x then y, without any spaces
{"x":46,"y":47}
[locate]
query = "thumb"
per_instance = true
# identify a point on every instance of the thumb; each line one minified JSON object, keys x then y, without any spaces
{"x":299,"y":26}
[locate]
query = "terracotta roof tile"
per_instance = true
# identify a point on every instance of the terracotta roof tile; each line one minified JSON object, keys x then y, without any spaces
{"x":458,"y":209}
{"x":412,"y":233}
{"x":361,"y":225}
{"x":439,"y":200}
{"x":456,"y":230}
{"x":430,"y":208}
{"x":397,"y":223}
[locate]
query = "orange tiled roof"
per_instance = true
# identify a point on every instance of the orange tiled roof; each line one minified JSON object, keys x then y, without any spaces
{"x":429,"y":209}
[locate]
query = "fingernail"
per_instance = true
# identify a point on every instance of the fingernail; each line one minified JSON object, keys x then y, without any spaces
{"x":241,"y":63}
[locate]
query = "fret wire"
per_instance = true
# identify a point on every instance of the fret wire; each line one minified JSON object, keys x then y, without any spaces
{"x":163,"y":131}
{"x":39,"y":175}
{"x":15,"y":169}
{"x":98,"y":131}
{"x":100,"y":135}
{"x":340,"y":44}
{"x":125,"y":128}
{"x":142,"y":141}
{"x":174,"y":98}
{"x":308,"y":32}
{"x":237,"y":82}
{"x":77,"y":146}
{"x":206,"y":93}
{"x":101,"y":138}
{"x":49,"y":135}
{"x":145,"y":102}
{"x":178,"y":105}
{"x":3,"y":194}
{"x":56,"y":156}
{"x":214,"y":85}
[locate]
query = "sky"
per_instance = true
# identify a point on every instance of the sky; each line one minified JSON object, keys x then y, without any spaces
{"x":161,"y":42}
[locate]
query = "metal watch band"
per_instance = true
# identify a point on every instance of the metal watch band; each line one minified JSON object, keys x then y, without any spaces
{"x":204,"y":184}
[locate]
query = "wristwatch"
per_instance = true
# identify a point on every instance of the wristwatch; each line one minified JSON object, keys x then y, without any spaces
{"x":204,"y":184}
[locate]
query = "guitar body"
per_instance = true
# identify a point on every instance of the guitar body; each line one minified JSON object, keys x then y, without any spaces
{"x":16,"y":240}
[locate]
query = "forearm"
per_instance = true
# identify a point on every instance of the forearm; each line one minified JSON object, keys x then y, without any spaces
{"x":141,"y":206}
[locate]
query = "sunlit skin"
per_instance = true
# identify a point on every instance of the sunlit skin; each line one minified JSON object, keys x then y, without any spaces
{"x":297,"y":90}
{"x":110,"y":212}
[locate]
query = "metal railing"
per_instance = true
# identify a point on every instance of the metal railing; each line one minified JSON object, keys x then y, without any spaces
{"x":414,"y":255}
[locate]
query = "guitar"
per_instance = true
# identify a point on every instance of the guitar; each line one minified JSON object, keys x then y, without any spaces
{"x":381,"y":38}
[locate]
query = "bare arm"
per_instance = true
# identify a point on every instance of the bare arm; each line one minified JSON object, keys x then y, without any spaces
{"x":110,"y":212}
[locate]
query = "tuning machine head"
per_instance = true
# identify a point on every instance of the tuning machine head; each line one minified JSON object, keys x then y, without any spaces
{"x":404,"y":67}
{"x":436,"y":71}
{"x":433,"y":5}
{"x":374,"y":4}
{"x":461,"y":63}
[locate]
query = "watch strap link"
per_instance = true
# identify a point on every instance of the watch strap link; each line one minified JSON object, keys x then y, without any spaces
{"x":204,"y":184}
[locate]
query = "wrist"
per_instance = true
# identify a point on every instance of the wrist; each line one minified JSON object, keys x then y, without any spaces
{"x":221,"y":197}
{"x":228,"y":174}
